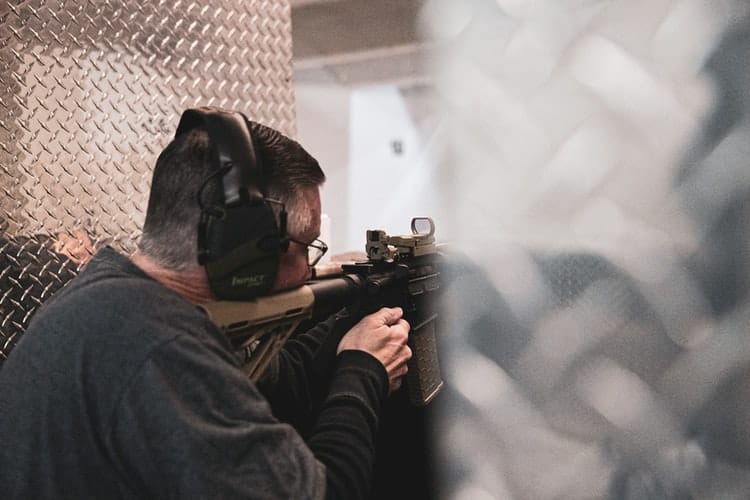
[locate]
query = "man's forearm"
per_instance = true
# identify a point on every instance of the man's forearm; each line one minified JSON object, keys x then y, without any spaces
{"x":298,"y":380}
{"x":343,"y":438}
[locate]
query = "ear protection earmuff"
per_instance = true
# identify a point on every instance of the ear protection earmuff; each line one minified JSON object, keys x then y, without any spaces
{"x":239,"y":240}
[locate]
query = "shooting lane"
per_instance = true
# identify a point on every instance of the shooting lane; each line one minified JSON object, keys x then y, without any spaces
{"x":89,"y":94}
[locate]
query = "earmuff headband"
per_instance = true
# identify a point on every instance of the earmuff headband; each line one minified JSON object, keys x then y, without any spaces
{"x":235,"y":153}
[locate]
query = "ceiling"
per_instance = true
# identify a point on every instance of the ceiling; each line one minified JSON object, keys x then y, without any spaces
{"x":357,"y":42}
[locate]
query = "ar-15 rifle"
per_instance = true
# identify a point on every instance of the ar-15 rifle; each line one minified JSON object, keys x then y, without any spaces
{"x":399,"y":271}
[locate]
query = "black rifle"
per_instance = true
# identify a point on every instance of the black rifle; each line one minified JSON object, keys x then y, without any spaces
{"x":399,"y":271}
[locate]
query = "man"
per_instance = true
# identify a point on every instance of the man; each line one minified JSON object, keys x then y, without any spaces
{"x":122,"y":388}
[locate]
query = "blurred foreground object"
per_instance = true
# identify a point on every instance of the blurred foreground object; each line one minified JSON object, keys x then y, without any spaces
{"x":597,"y":156}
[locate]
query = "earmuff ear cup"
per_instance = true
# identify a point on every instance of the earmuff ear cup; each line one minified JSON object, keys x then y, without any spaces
{"x":239,"y":241}
{"x":243,"y":249}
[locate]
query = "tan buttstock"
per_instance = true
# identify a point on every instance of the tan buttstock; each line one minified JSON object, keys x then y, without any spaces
{"x":258,"y":328}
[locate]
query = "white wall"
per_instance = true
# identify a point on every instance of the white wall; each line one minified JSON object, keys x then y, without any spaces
{"x":323,"y":130}
{"x":390,"y":177}
{"x":355,"y":134}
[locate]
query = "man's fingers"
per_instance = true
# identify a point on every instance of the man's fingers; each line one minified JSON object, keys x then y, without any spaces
{"x":397,"y":377}
{"x":390,"y":315}
{"x":402,"y":325}
{"x":407,"y":353}
{"x":394,"y":386}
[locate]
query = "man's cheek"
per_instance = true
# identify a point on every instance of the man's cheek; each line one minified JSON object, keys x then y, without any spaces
{"x":302,"y":274}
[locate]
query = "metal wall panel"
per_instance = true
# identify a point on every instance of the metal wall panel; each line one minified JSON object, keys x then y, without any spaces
{"x":90,"y":92}
{"x":596,"y":153}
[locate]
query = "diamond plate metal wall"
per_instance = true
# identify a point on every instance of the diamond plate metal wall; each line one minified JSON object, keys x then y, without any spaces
{"x":89,"y":94}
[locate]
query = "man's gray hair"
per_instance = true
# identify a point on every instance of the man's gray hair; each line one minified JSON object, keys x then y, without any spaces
{"x":170,"y":230}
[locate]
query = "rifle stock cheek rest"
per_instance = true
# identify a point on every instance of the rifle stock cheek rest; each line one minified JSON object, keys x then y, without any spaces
{"x":259,"y":327}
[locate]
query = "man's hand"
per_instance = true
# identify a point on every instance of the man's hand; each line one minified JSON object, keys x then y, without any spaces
{"x":382,"y":334}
